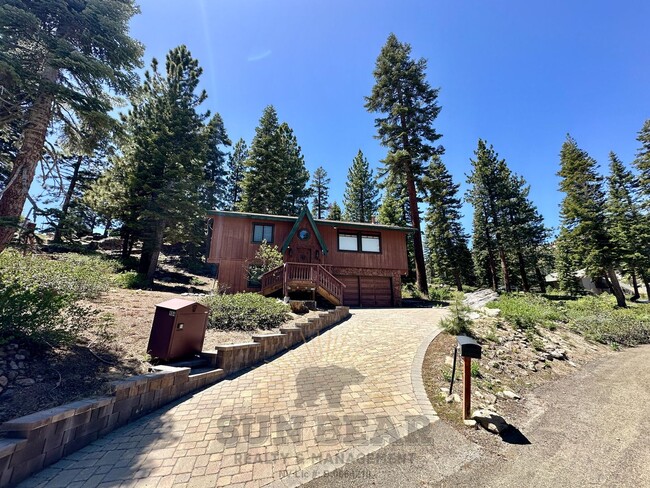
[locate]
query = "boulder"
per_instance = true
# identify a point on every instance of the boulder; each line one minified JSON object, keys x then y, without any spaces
{"x":25,"y":382}
{"x":490,"y":421}
{"x":453,"y":398}
{"x":510,"y":395}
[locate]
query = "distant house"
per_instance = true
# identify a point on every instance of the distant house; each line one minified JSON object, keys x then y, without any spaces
{"x":346,"y":263}
{"x":586,"y":282}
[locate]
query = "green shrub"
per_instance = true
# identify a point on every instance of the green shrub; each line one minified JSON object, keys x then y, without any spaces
{"x":130,"y":280}
{"x":528,"y":310}
{"x":458,"y":323}
{"x":40,"y":297}
{"x":245,"y":311}
{"x":440,"y":293}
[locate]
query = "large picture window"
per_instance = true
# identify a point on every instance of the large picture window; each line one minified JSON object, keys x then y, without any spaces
{"x":262,"y":232}
{"x":353,"y":242}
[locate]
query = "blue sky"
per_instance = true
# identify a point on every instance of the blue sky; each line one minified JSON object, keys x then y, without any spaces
{"x":520,"y":74}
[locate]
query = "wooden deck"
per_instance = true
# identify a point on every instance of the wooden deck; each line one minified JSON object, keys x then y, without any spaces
{"x":303,"y":277}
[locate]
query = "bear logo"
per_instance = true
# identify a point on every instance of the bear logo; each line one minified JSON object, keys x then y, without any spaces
{"x":329,"y":381}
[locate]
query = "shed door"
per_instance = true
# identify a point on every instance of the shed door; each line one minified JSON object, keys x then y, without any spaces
{"x":351,"y":291}
{"x":376,"y":291}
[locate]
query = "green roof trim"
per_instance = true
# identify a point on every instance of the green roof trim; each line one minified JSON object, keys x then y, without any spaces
{"x":304,"y":213}
{"x":288,"y":218}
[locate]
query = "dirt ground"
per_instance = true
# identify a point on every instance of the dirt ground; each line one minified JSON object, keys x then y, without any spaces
{"x":66,"y":374}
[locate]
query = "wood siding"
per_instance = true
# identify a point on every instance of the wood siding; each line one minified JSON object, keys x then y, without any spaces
{"x":232,"y":248}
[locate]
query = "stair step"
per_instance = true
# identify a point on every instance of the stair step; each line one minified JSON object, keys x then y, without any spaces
{"x":190,"y":363}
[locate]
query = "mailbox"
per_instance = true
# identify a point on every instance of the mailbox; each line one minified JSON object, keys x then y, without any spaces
{"x":178,"y":329}
{"x":469,"y":348}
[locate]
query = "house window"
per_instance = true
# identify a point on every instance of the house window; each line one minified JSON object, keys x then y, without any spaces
{"x":348,"y":242}
{"x":262,"y":232}
{"x":359,"y":243}
{"x":370,"y":244}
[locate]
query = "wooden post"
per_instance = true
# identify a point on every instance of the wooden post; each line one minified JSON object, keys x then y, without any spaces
{"x":285,"y":290}
{"x":467,"y":388}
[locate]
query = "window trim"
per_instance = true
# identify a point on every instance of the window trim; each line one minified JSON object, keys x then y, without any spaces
{"x":359,"y":235}
{"x":272,"y":226}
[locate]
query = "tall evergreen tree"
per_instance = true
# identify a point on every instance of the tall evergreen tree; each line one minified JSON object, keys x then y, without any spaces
{"x":583,"y":224}
{"x":445,"y":237}
{"x":625,"y":222}
{"x":360,"y":197}
{"x":235,"y":174}
{"x":262,"y":179}
{"x":276,"y":179}
{"x":58,"y":60}
{"x":484,"y":250}
{"x":214,"y":191}
{"x":391,"y":211}
{"x":490,"y":185}
{"x":409,"y":107}
{"x":334,"y":212}
{"x":320,"y":192}
{"x":642,"y":161}
{"x":166,"y":144}
{"x":294,"y":177}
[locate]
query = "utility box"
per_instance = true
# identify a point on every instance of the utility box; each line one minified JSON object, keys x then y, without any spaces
{"x":469,"y":348}
{"x":178,"y":329}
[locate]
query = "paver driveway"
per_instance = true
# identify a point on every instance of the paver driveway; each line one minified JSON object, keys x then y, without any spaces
{"x":344,"y":394}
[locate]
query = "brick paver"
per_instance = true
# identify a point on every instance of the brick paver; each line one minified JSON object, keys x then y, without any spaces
{"x":345,"y":394}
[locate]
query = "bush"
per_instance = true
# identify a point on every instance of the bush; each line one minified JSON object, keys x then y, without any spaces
{"x":459,"y":323}
{"x":440,"y":293}
{"x":130,"y":280}
{"x":40,"y":297}
{"x":528,"y":310}
{"x":245,"y":311}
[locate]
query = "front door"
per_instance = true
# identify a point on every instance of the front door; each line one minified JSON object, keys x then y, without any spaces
{"x":304,"y":254}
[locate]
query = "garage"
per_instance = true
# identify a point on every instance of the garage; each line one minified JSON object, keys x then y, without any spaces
{"x":376,"y":291}
{"x":351,"y":291}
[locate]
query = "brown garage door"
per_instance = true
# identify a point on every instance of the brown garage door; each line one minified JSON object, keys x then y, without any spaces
{"x":376,"y":291}
{"x":351,"y":291}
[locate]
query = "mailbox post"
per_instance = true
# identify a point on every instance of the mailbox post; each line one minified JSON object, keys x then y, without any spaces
{"x":469,"y":349}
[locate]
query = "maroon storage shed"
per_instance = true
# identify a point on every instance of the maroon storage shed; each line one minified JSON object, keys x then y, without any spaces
{"x":178,"y":329}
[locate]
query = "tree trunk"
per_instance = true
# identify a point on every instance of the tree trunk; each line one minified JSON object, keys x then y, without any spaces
{"x":540,"y":279}
{"x":67,"y":199}
{"x":13,"y":198}
{"x":126,"y":237}
{"x":151,"y":247}
{"x":458,"y":280}
{"x":420,"y":266}
{"x":522,"y":272}
{"x":616,"y":287}
{"x":504,"y":269}
{"x":635,"y":285}
{"x":646,"y":282}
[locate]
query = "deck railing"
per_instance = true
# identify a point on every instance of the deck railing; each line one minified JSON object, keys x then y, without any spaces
{"x":291,"y":273}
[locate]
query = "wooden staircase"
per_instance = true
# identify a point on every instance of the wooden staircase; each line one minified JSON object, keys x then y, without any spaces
{"x":303,"y":277}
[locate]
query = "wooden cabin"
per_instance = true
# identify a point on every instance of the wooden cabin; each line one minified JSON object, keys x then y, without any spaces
{"x":346,"y":263}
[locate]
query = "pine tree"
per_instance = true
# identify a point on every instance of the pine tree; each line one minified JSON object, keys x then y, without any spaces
{"x":214,"y":191}
{"x":334,"y":212}
{"x":490,"y":180}
{"x":360,"y":197}
{"x":320,"y":192}
{"x":625,"y":222}
{"x":409,"y":108}
{"x":262,"y":179}
{"x":166,"y":143}
{"x":235,"y":174}
{"x":58,"y":59}
{"x":294,"y":175}
{"x":391,"y":211}
{"x":583,"y":232}
{"x":275,"y":180}
{"x":445,"y":237}
{"x":484,"y":248}
{"x":642,"y":161}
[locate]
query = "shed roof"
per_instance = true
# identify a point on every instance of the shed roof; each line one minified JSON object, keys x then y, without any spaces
{"x":177,"y":304}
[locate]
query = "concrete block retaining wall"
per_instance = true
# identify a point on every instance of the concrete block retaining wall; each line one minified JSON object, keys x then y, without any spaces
{"x":30,"y":443}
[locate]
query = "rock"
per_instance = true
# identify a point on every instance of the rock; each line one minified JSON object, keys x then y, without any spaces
{"x":510,"y":395}
{"x":559,"y":354}
{"x":572,"y":364}
{"x":490,"y":398}
{"x":473,"y":315}
{"x":19,"y":357}
{"x":12,"y":375}
{"x":470,"y":423}
{"x":449,"y":361}
{"x":25,"y":382}
{"x":13,"y":365}
{"x":490,"y":312}
{"x":453,"y":398}
{"x":490,"y":421}
{"x":444,"y":389}
{"x":495,"y":364}
{"x":3,"y":381}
